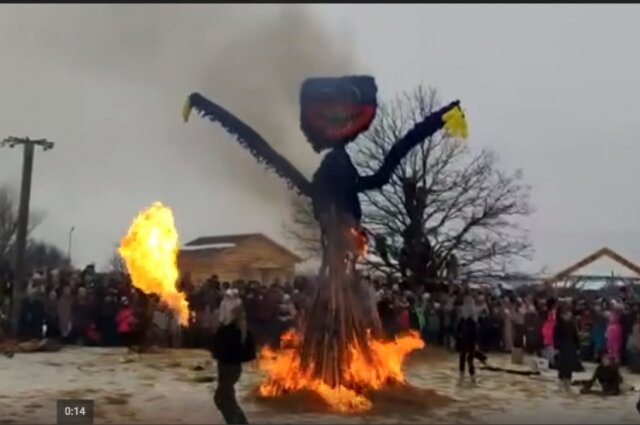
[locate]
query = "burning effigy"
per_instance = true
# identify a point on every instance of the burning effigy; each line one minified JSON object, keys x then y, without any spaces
{"x":337,"y":350}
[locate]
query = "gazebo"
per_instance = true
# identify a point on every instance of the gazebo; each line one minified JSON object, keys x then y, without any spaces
{"x":569,"y":278}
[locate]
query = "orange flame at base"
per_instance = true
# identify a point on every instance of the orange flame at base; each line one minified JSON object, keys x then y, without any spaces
{"x":285,"y":374}
{"x":150,"y":252}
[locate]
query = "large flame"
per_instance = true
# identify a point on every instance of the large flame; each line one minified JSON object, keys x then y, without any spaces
{"x":285,"y":374}
{"x":150,"y":251}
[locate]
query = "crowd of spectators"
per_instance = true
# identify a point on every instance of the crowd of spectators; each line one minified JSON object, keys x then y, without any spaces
{"x":518,"y":320}
{"x":85,"y":307}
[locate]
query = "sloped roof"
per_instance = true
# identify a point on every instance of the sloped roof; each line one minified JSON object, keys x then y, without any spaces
{"x":223,"y":239}
{"x":200,"y":253}
{"x":222,"y":242}
{"x":602,"y":252}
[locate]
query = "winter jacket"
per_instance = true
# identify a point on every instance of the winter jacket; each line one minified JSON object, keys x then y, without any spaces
{"x":548,"y":329}
{"x":598,"y":332}
{"x":404,"y":323}
{"x":566,"y":342}
{"x":467,"y":335}
{"x":227,"y":346}
{"x":124,"y":319}
{"x":614,"y":338}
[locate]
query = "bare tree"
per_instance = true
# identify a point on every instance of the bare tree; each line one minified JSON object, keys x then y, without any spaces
{"x":446,"y":211}
{"x":9,"y":222}
{"x":116,"y":263}
{"x":42,"y":255}
{"x":302,"y":228}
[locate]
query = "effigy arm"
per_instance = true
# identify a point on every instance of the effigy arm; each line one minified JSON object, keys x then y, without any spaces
{"x":249,"y":139}
{"x":451,"y":118}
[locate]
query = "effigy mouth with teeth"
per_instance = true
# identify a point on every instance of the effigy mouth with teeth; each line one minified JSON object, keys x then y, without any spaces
{"x":338,"y":119}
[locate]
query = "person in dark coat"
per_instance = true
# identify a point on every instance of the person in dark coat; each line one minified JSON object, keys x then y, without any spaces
{"x":566,"y":343}
{"x":82,"y":316}
{"x":533,"y":329}
{"x":387,"y":317}
{"x":607,"y":374}
{"x":32,"y":315}
{"x":466,"y":339}
{"x":232,"y":345}
{"x":106,"y":320}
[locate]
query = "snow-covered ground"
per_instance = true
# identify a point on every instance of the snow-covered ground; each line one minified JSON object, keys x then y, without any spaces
{"x":165,"y":388}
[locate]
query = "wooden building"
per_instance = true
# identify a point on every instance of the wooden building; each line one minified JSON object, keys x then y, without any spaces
{"x":232,"y":257}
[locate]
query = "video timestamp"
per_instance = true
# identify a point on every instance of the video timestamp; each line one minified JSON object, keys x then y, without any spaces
{"x":74,"y":412}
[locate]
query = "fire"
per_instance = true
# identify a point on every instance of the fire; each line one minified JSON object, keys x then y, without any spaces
{"x":150,"y":251}
{"x":361,"y":241}
{"x":285,"y":374}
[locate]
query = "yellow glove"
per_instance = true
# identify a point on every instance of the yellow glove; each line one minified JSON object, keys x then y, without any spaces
{"x":186,"y":110}
{"x":455,"y":123}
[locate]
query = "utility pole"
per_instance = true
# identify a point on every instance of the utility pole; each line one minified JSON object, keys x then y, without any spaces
{"x":70,"y":242}
{"x":19,"y":285}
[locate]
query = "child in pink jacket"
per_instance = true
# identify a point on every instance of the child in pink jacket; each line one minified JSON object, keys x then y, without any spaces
{"x":614,"y":337}
{"x":548,"y":351}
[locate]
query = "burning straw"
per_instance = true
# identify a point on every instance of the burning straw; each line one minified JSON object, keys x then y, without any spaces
{"x":337,"y":352}
{"x":286,"y":374}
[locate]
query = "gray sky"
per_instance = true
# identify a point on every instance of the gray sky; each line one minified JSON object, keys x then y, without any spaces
{"x":553,"y":89}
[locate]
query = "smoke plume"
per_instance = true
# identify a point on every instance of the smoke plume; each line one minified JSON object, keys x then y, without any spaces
{"x":251,"y":59}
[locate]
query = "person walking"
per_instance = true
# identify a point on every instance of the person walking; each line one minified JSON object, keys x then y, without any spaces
{"x":566,"y":343}
{"x":466,"y":340}
{"x":231,"y":345}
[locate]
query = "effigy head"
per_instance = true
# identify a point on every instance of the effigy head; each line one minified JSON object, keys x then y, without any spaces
{"x":334,"y":111}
